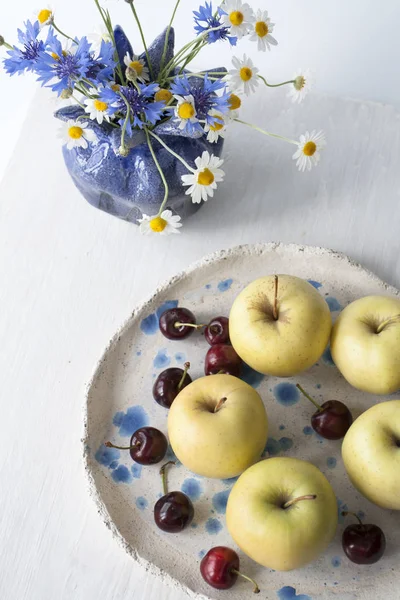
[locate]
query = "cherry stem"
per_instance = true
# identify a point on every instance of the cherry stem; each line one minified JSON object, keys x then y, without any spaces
{"x":275,"y":306}
{"x":194,"y":325}
{"x":187,"y":367}
{"x":291,"y":502}
{"x":256,"y":588}
{"x":110,"y":445}
{"x":308,"y":396}
{"x":220,"y":404}
{"x":345,"y":513}
{"x":164,"y":475}
{"x":382,"y":326}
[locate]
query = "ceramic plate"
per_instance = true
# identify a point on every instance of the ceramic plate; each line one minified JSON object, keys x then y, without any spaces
{"x":119,"y":400}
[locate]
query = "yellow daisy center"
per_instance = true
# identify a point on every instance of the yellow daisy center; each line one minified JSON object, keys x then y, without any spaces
{"x":115,"y":87}
{"x":99,"y":105}
{"x":158,"y":224}
{"x":236,"y":18}
{"x":55,"y":56}
{"x":234,"y":102}
{"x":44,"y":15}
{"x":137,"y":66}
{"x":75,"y":132}
{"x":261,"y":29}
{"x":163,"y":96}
{"x":217,"y":126}
{"x":205,"y":177}
{"x":310,"y":148}
{"x":186,"y":110}
{"x":299,"y":83}
{"x":246,"y":74}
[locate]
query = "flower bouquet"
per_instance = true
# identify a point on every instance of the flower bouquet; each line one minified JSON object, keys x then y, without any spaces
{"x":143,"y":135}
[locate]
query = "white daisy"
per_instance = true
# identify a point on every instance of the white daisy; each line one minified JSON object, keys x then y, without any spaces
{"x":98,"y":109}
{"x":244,"y":75}
{"x":214,"y":132}
{"x":262,"y":29}
{"x":138,"y":66}
{"x":45,"y":16}
{"x":76,"y":134}
{"x":203,"y":181}
{"x":185,"y":110}
{"x":99,"y":36}
{"x":303,"y":82}
{"x":239,"y":17}
{"x":164,"y":224}
{"x":308,"y":154}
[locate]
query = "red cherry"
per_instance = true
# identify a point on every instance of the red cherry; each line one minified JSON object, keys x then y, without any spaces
{"x":220,"y":568}
{"x":332,"y":420}
{"x":223,"y":358}
{"x":217,"y":331}
{"x":363,"y":544}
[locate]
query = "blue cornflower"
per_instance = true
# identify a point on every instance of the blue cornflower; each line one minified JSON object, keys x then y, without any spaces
{"x":205,"y":19}
{"x":102,"y":67}
{"x":143,"y":109}
{"x":204,"y":93}
{"x":26,"y":58}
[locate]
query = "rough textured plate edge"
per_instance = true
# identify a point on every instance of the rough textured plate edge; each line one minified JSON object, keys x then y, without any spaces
{"x":256,"y":249}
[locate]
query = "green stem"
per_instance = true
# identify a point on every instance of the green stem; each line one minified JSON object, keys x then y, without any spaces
{"x":80,"y":104}
{"x":64,"y":34}
{"x":300,"y":498}
{"x":166,"y":192}
{"x":164,"y":54}
{"x":308,"y":396}
{"x":164,"y":475}
{"x":159,"y":140}
{"x":109,"y":27}
{"x":125,"y":125}
{"x":387,"y":322}
{"x":187,"y":367}
{"x":5,"y":44}
{"x":274,"y":135}
{"x":345,"y":513}
{"x":256,"y":589}
{"x":273,"y":85}
{"x":143,"y":39}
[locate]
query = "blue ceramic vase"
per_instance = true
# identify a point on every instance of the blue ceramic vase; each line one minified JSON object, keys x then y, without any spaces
{"x":128,"y":187}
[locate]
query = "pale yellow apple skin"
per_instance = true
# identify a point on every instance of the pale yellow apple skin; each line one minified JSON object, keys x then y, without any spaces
{"x":369,"y":361}
{"x":276,"y":538}
{"x":371,"y":455}
{"x":289,"y":345}
{"x":222,"y":444}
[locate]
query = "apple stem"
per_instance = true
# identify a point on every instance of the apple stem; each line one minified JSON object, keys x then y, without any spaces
{"x":308,"y":396}
{"x":164,"y":475}
{"x":256,"y":588}
{"x":291,"y":502}
{"x":275,"y":306}
{"x":110,"y":445}
{"x":187,"y":367}
{"x":194,"y":325}
{"x":382,"y":326}
{"x":347,"y":512}
{"x":220,"y":404}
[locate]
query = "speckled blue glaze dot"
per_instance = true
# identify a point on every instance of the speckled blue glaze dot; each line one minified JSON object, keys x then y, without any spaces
{"x":194,"y":526}
{"x":134,"y":418}
{"x":149,"y":325}
{"x":166,"y":306}
{"x":331,"y":462}
{"x":213,"y":526}
{"x":122,"y":474}
{"x":139,"y":353}
{"x":336,"y":562}
{"x":289,"y":593}
{"x":170,"y":455}
{"x":286,"y":393}
{"x":224,"y":285}
{"x":192,"y":488}
{"x":180,"y":357}
{"x":105,"y":456}
{"x":285,"y":443}
{"x":220,"y":501}
{"x":341,"y":508}
{"x":114,"y":464}
{"x":333,"y":303}
{"x":208,"y":286}
{"x":161,"y":359}
{"x":307,"y":430}
{"x":141,"y":503}
{"x":252,"y":377}
{"x":136,"y":470}
{"x":282,"y":427}
{"x":230,"y":481}
{"x":272,"y":447}
{"x":202,"y":553}
{"x":327,"y":357}
{"x":318,"y":386}
{"x":315,"y":284}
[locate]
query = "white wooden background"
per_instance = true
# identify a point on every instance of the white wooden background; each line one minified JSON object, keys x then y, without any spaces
{"x":70,"y":275}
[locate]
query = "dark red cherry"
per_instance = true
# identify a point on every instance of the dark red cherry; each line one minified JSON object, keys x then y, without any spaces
{"x":173,"y":512}
{"x":363,"y":544}
{"x":172,"y":323}
{"x":220,"y":569}
{"x":169,"y":383}
{"x":148,"y":446}
{"x":223,"y":358}
{"x":217,"y":331}
{"x":332,"y":420}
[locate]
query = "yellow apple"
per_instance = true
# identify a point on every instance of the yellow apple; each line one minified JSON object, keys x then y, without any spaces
{"x":285,"y":342}
{"x":217,"y":426}
{"x":371,"y":454}
{"x":275,"y":536}
{"x":365,"y":344}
